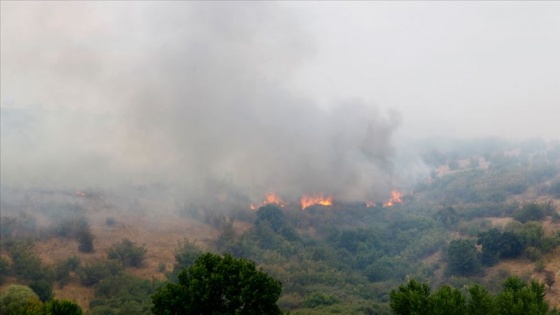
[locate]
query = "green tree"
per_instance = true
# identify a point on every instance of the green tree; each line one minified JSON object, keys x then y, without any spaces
{"x":490,"y":241}
{"x":272,"y":215}
{"x":412,"y":298}
{"x":448,"y":300}
{"x":462,"y":258}
{"x":185,"y":255}
{"x":480,"y":301}
{"x":520,"y":298}
{"x":219,"y":285}
{"x":19,"y":299}
{"x":447,"y":216}
{"x":62,"y":307}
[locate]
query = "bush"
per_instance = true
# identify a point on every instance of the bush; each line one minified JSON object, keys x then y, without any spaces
{"x":62,"y":307}
{"x":533,"y":211}
{"x":85,"y":238}
{"x":27,"y":266}
{"x":63,"y":268}
{"x":533,"y":253}
{"x":462,"y":258}
{"x":19,"y":299}
{"x":123,"y":294}
{"x":43,"y":289}
{"x":91,"y":274}
{"x":319,"y":298}
{"x":128,"y":253}
{"x":185,"y":255}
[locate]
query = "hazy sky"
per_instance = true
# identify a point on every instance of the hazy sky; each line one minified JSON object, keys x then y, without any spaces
{"x":283,"y":96}
{"x":466,"y":68}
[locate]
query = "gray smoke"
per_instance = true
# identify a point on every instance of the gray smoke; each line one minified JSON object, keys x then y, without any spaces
{"x":194,"y":95}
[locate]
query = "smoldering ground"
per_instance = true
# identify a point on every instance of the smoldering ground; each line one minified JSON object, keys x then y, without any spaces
{"x":193,"y":95}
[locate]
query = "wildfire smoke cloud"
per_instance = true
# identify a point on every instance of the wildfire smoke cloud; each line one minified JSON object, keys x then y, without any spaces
{"x":199,"y":97}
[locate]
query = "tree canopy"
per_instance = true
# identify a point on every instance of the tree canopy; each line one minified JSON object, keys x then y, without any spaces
{"x":219,"y":285}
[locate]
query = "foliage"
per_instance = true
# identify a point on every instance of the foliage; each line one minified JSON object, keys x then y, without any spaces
{"x":128,"y":253}
{"x":185,"y":255}
{"x":520,"y":298}
{"x":93,"y":273}
{"x":462,"y":258}
{"x":62,"y":307}
{"x":480,"y":301}
{"x":447,"y":216}
{"x":123,"y":294}
{"x":499,"y":245}
{"x":277,"y":221}
{"x":320,"y":298}
{"x":85,"y":238}
{"x":448,"y":300}
{"x":28,"y":268}
{"x":533,"y":211}
{"x":412,"y":298}
{"x":63,"y":268}
{"x":219,"y":285}
{"x":43,"y":288}
{"x":19,"y":299}
{"x":517,"y":297}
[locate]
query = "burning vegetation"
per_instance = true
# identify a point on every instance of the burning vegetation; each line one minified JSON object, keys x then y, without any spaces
{"x":310,"y":200}
{"x":307,"y":201}
{"x":396,"y":197}
{"x":271,"y":198}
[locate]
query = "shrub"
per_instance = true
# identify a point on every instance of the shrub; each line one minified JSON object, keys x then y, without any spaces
{"x":62,"y":307}
{"x":43,"y":288}
{"x":533,"y":211}
{"x":27,"y":265}
{"x":128,"y":253}
{"x":19,"y":299}
{"x":319,"y":298}
{"x":539,"y":265}
{"x":123,"y":294}
{"x":91,"y":274}
{"x":85,"y":237}
{"x":533,"y":253}
{"x":62,"y":269}
{"x":462,"y":258}
{"x":185,"y":255}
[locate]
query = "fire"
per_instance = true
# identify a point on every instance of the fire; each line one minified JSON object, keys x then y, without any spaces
{"x":395,"y":198}
{"x":80,"y":194}
{"x":271,"y":198}
{"x":307,"y":201}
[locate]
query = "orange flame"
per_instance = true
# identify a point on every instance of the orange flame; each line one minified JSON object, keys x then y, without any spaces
{"x":395,"y":198}
{"x":271,"y":198}
{"x":307,"y":201}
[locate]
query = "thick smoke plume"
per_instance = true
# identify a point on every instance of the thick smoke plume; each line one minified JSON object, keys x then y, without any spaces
{"x":192,"y":95}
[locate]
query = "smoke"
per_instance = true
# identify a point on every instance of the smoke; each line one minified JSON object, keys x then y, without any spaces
{"x":194,"y":95}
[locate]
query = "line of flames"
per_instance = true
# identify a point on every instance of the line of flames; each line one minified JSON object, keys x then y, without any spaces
{"x":271,"y":198}
{"x":311,"y":200}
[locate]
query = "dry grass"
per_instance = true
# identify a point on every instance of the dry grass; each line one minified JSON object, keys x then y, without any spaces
{"x":159,"y":231}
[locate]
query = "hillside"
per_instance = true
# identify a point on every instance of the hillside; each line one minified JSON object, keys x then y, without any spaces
{"x":339,"y":257}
